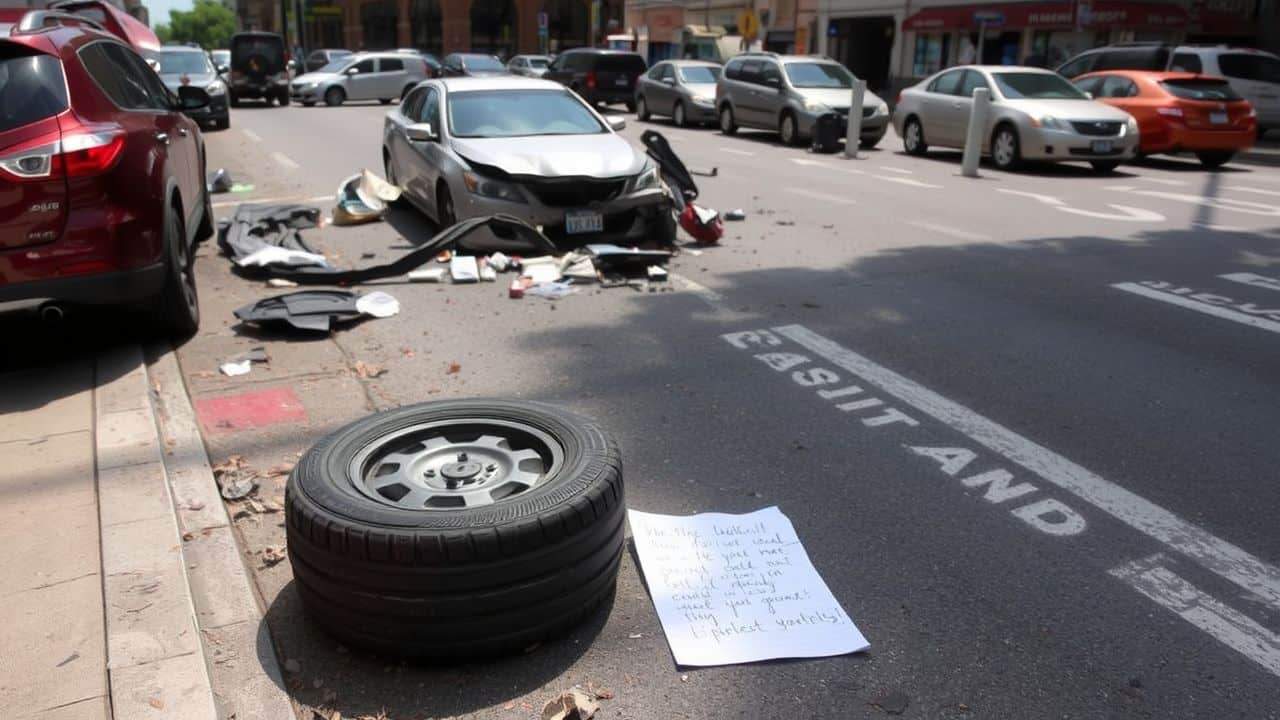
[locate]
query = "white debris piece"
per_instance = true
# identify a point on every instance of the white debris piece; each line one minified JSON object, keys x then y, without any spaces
{"x":378,"y":304}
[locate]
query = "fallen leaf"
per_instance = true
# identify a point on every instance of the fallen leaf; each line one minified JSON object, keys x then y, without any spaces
{"x":188,"y":536}
{"x":273,"y":554}
{"x":600,"y":693}
{"x":570,"y":705}
{"x":454,"y":369}
{"x":279,"y":469}
{"x":203,"y":374}
{"x":893,"y":702}
{"x":156,"y":703}
{"x":367,"y":370}
{"x":195,"y":505}
{"x":232,"y":463}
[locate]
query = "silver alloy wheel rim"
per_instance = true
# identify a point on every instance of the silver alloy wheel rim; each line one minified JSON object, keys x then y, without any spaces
{"x":913,"y":135}
{"x":457,"y":464}
{"x":1004,"y":147}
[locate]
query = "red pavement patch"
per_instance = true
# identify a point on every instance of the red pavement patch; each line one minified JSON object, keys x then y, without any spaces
{"x":232,"y":413}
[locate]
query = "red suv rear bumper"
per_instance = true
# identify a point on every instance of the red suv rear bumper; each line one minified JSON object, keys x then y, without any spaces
{"x":100,"y":288}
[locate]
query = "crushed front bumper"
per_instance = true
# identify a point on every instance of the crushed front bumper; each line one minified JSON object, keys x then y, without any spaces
{"x":629,"y":219}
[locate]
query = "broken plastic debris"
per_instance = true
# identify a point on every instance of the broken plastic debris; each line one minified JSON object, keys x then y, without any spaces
{"x":275,"y":255}
{"x":232,"y":369}
{"x":463,"y":269}
{"x":434,"y":275}
{"x":499,"y":262}
{"x":219,"y":181}
{"x":280,"y":283}
{"x":378,"y":304}
{"x":539,"y":270}
{"x":363,"y":197}
{"x":241,"y":364}
{"x":656,"y":273}
{"x":571,"y":705}
{"x":273,"y":554}
{"x":317,"y":309}
{"x":552,"y":290}
{"x":488,"y":274}
{"x":736,"y":214}
{"x":236,"y":486}
{"x":518,"y":288}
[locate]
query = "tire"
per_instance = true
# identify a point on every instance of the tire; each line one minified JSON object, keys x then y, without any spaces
{"x":222,"y":123}
{"x":308,"y":103}
{"x":727,"y":124}
{"x":176,"y":308}
{"x":385,"y":101}
{"x":388,"y":171}
{"x":446,"y":217}
{"x":913,"y":137}
{"x":1214,"y":159}
{"x":867,"y":144}
{"x":642,"y":109}
{"x":442,"y":582}
{"x":678,"y":116}
{"x":788,"y":132}
{"x":1105,"y":167}
{"x":283,"y":99}
{"x":631,"y":105}
{"x":1006,"y":151}
{"x":235,"y":101}
{"x":334,"y":96}
{"x":665,"y":229}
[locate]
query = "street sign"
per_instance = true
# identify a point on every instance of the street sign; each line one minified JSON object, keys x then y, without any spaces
{"x":542,"y":22}
{"x":748,"y":25}
{"x":989,"y":17}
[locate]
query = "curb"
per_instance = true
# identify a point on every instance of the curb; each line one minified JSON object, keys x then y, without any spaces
{"x":246,"y":678}
{"x":155,"y":662}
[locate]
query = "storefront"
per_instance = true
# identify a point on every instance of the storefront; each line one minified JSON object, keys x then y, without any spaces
{"x":1031,"y":33}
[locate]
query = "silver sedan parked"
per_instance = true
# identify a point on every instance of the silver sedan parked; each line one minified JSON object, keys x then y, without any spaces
{"x":1035,"y":115}
{"x":385,"y":77}
{"x":684,"y":90}
{"x":529,"y":65}
{"x":471,"y":147}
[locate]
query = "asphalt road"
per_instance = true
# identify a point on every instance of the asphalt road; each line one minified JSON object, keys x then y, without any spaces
{"x":1057,"y":497}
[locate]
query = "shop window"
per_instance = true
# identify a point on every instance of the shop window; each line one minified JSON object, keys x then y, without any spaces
{"x":426,"y":20}
{"x":493,"y":27}
{"x":379,"y":21}
{"x":566,"y":25}
{"x":1051,"y":48}
{"x":930,"y":53}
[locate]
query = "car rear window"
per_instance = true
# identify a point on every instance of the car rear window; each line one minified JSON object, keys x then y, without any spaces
{"x":1201,"y":89}
{"x":1249,"y":66}
{"x":621,"y":63}
{"x":268,"y":47}
{"x":31,"y":86}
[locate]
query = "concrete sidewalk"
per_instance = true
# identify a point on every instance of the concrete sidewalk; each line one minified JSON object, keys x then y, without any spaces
{"x":110,"y":610}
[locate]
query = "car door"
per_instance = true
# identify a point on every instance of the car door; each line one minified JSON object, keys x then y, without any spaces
{"x":429,"y":156}
{"x":392,"y":77}
{"x":662,"y":93}
{"x":399,"y":150}
{"x":184,"y":136}
{"x":362,"y":84}
{"x":956,"y":112}
{"x":746,"y":93}
{"x":936,"y":107}
{"x":771,"y":98}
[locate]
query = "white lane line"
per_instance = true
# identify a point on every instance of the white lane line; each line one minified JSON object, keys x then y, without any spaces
{"x":818,"y":163}
{"x":1261,"y":281}
{"x":1214,"y":310}
{"x":1256,"y":191}
{"x":251,"y":135}
{"x":1150,"y":577}
{"x":1127,"y":213}
{"x":950,"y":231}
{"x":906,"y":181}
{"x":1162,"y":181}
{"x":713,"y":298}
{"x":284,"y":160}
{"x":897,"y":170}
{"x":1218,"y":228}
{"x":736,"y":151}
{"x":1211,"y":552}
{"x":1046,"y":199}
{"x":271,"y":201}
{"x":1244,"y":206}
{"x":820,"y":196}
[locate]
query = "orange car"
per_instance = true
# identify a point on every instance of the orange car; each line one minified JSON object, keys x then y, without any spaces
{"x":1178,"y":111}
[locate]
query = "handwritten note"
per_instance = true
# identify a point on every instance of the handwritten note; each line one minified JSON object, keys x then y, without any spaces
{"x":738,"y":588}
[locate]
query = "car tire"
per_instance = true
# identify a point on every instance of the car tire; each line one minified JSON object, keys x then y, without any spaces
{"x":222,"y":123}
{"x":385,"y":101}
{"x":176,"y":308}
{"x":388,"y":171}
{"x":913,"y":137}
{"x":788,"y":131}
{"x":308,"y":103}
{"x":283,"y":99}
{"x":233,"y":100}
{"x":391,"y":567}
{"x":334,"y":96}
{"x":1214,"y":159}
{"x":642,"y":109}
{"x":869,"y":143}
{"x":1006,"y":151}
{"x":1105,"y":167}
{"x":631,"y":105}
{"x":446,"y":215}
{"x":727,"y":124}
{"x":665,"y":228}
{"x":678,"y":115}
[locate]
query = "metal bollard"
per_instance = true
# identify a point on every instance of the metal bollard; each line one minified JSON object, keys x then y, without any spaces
{"x":977,"y":129}
{"x":854,"y":131}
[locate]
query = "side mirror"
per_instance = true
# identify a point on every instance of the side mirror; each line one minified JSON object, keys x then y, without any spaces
{"x":353,"y":71}
{"x":422,"y":132}
{"x":616,"y":122}
{"x":223,"y":69}
{"x":192,"y":98}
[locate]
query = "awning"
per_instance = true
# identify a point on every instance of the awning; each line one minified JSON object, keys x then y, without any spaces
{"x":1048,"y":15}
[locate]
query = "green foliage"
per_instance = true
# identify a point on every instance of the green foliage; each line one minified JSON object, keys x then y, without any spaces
{"x":209,"y":24}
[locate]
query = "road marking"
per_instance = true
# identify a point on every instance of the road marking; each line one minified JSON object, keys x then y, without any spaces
{"x":284,"y":160}
{"x":251,"y":135}
{"x":735,"y":151}
{"x":897,"y":170}
{"x":1256,"y":191}
{"x":950,"y":231}
{"x":820,"y":196}
{"x":907,"y":181}
{"x":1211,"y":552}
{"x":1046,"y":199}
{"x":1127,"y":212}
{"x":713,"y":298}
{"x":1162,"y":181}
{"x":1218,"y":228}
{"x":1244,"y":206}
{"x":818,"y":163}
{"x":275,"y":200}
{"x":1255,"y":280}
{"x":1151,"y":578}
{"x":1205,"y":303}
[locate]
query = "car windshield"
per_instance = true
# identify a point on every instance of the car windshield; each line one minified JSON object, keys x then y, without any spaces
{"x":700,"y":75}
{"x":1036,"y":86}
{"x":482,"y":62}
{"x":538,"y":63}
{"x":334,"y":66}
{"x":519,"y":113}
{"x":183,"y":63}
{"x":818,"y":75}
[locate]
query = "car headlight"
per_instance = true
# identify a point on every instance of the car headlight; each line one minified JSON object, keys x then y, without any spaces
{"x":703,"y":100}
{"x":1130,"y":127}
{"x":1048,"y":122}
{"x":816,"y":107}
{"x":496,"y":189}
{"x":217,"y":87}
{"x":646,"y":180}
{"x":882,"y":108}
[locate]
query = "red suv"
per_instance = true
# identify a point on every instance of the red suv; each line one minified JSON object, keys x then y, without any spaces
{"x":102,"y":189}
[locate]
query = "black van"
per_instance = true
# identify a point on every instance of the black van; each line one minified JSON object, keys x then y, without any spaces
{"x":258,"y":68}
{"x":601,"y":77}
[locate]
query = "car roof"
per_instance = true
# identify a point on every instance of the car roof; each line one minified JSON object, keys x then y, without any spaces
{"x":497,"y":82}
{"x":179,"y":49}
{"x":689,"y":63}
{"x":599,"y":51}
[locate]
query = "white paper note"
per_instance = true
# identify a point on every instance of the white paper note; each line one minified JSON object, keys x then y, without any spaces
{"x":738,"y":588}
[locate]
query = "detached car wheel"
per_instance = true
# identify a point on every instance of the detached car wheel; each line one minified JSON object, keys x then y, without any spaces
{"x":456,"y":528}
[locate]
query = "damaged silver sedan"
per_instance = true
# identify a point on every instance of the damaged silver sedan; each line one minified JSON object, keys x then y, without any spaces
{"x":461,"y":148}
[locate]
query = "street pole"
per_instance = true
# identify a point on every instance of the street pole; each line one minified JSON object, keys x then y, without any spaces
{"x":706,"y":15}
{"x":982,"y":39}
{"x":977,"y":128}
{"x":853,"y":134}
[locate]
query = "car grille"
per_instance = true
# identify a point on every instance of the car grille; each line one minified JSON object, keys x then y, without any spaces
{"x":1098,"y":127}
{"x":575,"y":193}
{"x":868,"y":111}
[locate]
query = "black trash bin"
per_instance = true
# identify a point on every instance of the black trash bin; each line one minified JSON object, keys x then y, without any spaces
{"x":827,"y":132}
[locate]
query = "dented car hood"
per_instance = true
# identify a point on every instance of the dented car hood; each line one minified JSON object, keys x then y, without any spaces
{"x":605,"y":155}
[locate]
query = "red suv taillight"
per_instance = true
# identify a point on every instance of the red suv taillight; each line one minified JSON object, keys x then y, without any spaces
{"x":591,"y":79}
{"x":86,"y":153}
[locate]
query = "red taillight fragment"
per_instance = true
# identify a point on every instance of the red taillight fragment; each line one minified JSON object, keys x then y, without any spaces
{"x":591,"y":79}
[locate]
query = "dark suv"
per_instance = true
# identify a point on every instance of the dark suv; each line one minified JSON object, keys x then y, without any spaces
{"x":258,"y":68}
{"x":601,"y":77}
{"x":102,"y":191}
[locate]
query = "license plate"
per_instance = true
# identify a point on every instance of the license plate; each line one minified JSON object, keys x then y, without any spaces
{"x":620,"y":82}
{"x":1218,"y":118}
{"x":1101,"y":146}
{"x":576,"y":223}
